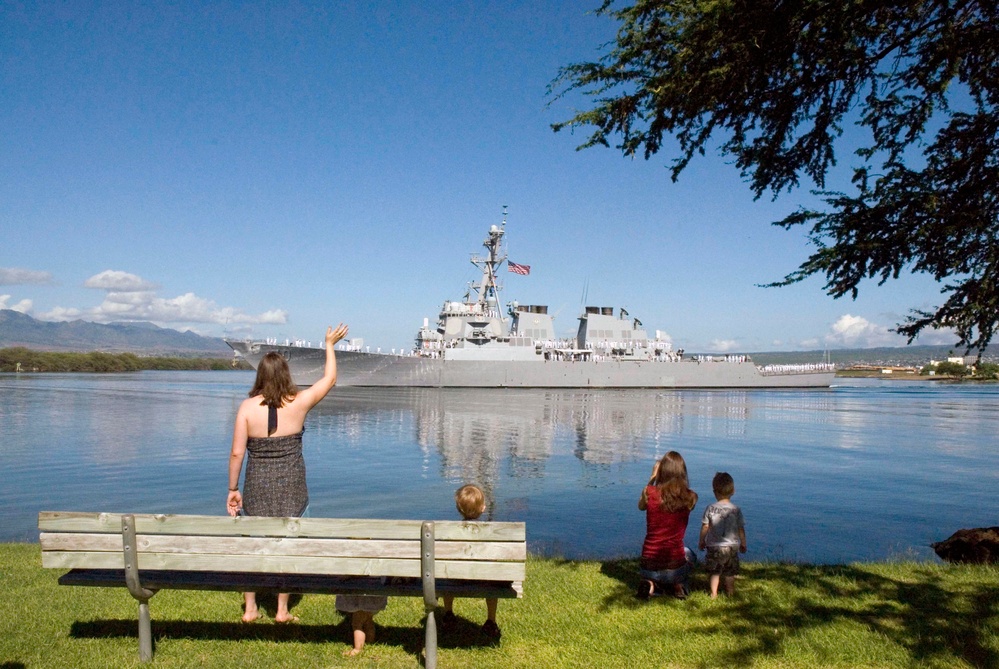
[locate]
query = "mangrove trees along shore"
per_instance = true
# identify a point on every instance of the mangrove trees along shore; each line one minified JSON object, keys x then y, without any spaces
{"x":25,"y":360}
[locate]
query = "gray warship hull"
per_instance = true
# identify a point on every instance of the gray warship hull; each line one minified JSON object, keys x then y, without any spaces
{"x":473,"y":345}
{"x":357,"y":368}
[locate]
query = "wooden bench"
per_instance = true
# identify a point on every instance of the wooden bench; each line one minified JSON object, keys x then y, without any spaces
{"x":395,"y":558}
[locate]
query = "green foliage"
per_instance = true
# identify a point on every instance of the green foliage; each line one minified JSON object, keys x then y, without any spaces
{"x":987,"y":370}
{"x":947,"y":369}
{"x":773,"y":84}
{"x":573,"y":614}
{"x":47,"y":361}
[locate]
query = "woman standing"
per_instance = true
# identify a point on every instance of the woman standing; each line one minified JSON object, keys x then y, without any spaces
{"x":667,"y":501}
{"x":269,"y":428}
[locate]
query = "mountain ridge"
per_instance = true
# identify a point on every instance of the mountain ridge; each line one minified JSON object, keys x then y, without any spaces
{"x":18,"y":329}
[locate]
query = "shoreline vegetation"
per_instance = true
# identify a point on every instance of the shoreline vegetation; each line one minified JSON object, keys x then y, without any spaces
{"x":27,"y":361}
{"x":573,"y":614}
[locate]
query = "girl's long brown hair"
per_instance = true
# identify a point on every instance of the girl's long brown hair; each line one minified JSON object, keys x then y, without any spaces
{"x":274,"y":381}
{"x":674,"y":487}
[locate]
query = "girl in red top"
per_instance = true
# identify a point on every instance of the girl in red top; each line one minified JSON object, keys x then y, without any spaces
{"x":667,"y":501}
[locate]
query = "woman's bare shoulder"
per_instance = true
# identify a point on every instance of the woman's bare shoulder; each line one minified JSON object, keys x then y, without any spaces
{"x":250,"y":403}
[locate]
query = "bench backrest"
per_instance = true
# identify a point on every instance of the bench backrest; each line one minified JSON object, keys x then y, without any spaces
{"x":489,"y":551}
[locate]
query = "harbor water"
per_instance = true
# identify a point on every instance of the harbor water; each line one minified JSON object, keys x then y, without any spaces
{"x":865,"y":470}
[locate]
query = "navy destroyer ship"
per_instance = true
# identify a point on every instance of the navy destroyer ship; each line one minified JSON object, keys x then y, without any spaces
{"x":474,"y":345}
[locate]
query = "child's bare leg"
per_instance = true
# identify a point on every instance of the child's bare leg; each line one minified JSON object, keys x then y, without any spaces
{"x":490,"y":628}
{"x":362,"y":623}
{"x":491,"y":604}
{"x":282,"y":615}
{"x":730,"y":585}
{"x":713,"y":583}
{"x":250,"y":611}
{"x":369,"y":628}
{"x":447,"y":618}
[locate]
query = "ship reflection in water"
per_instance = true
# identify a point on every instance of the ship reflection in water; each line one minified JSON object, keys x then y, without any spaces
{"x":572,"y":463}
{"x":811,"y":467}
{"x":866,"y":471}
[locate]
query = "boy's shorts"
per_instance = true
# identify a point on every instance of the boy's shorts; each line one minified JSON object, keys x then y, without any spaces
{"x":354,"y":603}
{"x":722,"y":560}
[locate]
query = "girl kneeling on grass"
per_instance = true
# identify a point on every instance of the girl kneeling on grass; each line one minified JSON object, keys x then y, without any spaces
{"x":667,"y":501}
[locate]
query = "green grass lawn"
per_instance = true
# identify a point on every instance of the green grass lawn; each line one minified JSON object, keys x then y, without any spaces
{"x":573,"y":614}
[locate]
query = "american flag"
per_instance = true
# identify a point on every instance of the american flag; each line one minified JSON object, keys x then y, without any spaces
{"x":519,"y":269}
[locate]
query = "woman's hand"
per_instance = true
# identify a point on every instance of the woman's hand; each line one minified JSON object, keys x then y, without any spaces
{"x":333,"y":336}
{"x":233,"y":503}
{"x":655,"y":471}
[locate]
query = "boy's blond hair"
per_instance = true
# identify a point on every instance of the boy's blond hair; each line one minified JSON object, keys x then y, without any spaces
{"x":470,"y":500}
{"x":723,"y":485}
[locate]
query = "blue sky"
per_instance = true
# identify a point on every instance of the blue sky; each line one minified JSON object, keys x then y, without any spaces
{"x":266,"y":169}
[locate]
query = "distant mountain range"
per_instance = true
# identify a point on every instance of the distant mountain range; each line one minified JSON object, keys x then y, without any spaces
{"x":17,"y":329}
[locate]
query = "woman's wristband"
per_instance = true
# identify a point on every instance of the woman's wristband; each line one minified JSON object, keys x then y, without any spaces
{"x":236,"y":489}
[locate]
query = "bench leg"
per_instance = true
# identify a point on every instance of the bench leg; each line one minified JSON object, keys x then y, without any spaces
{"x":427,"y":554}
{"x":145,"y":632}
{"x":431,"y":642}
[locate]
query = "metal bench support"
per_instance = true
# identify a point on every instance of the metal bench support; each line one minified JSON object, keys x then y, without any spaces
{"x":141,"y":594}
{"x":429,"y":591}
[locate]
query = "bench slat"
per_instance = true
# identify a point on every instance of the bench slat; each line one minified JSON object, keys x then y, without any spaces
{"x":209,"y":545}
{"x":468,"y":569}
{"x":73,"y":521}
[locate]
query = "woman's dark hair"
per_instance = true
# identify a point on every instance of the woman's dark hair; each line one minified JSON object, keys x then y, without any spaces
{"x":274,"y":380}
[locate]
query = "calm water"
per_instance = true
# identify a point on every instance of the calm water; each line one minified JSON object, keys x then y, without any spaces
{"x":863,"y":471}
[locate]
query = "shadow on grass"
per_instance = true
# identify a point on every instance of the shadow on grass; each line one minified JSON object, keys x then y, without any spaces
{"x":775,"y":602}
{"x":463,"y":634}
{"x":410,"y":639}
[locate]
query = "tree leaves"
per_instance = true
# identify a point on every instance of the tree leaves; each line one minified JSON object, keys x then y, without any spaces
{"x":774,"y":84}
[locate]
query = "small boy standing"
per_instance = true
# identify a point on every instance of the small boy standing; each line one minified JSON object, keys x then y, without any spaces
{"x":362,"y":610}
{"x":723,"y":534}
{"x":471,"y":503}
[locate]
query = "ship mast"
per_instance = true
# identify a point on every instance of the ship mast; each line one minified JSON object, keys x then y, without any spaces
{"x":488,"y":287}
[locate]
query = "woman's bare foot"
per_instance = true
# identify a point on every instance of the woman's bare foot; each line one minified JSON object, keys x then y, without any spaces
{"x":250,"y":610}
{"x":352,"y":652}
{"x":286,"y":618}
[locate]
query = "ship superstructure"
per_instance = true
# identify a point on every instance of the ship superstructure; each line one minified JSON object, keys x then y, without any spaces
{"x":475,"y":345}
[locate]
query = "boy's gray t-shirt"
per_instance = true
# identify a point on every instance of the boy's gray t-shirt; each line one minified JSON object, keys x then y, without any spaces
{"x":724,"y":520}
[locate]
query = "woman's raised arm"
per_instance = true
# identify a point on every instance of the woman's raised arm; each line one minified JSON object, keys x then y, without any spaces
{"x":318,"y":390}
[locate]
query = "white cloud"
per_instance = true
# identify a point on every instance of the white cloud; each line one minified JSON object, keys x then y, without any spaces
{"x":660,"y":335}
{"x":723,"y":345}
{"x":131,"y":298}
{"x":943,"y":337}
{"x":24,"y":306}
{"x":858,"y":332}
{"x":13,"y":276}
{"x":61,"y":314}
{"x":111,"y":279}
